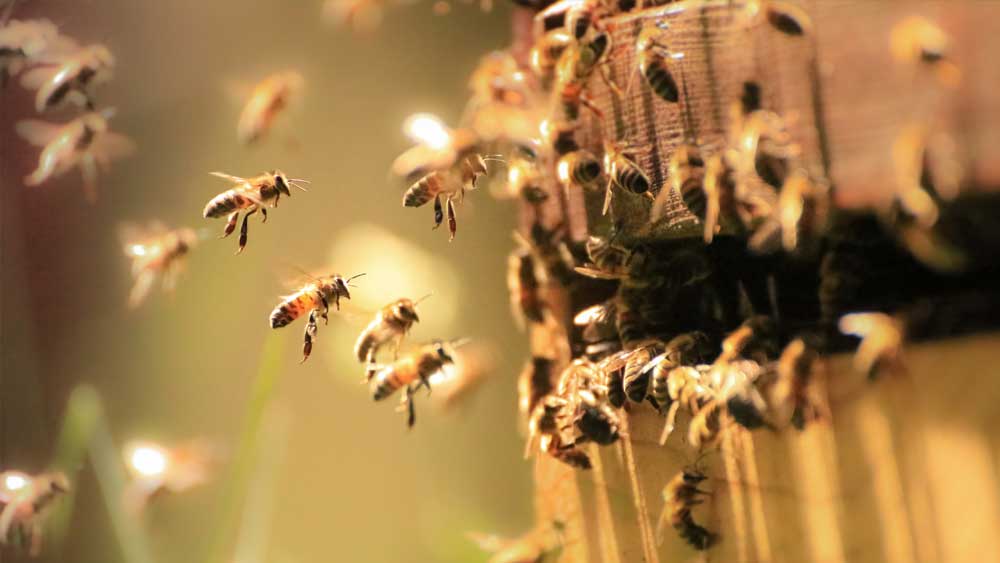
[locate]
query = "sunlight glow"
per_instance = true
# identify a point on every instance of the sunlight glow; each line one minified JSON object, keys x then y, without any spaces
{"x":15,"y":482}
{"x":427,"y":129}
{"x":149,"y":461}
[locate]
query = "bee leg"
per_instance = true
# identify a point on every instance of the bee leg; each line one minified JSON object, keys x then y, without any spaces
{"x":668,"y":426}
{"x":452,"y":221}
{"x":243,"y":229}
{"x":607,"y":197}
{"x":326,"y":308}
{"x":310,"y":335}
{"x":231,"y":224}
{"x":263,"y":215}
{"x":438,"y":212}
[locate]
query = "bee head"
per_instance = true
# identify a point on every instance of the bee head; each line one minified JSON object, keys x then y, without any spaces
{"x":442,"y":352}
{"x":59,"y":483}
{"x":103,"y":56}
{"x":281,"y":182}
{"x":406,"y":310}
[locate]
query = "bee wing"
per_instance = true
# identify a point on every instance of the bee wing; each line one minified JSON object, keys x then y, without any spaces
{"x":594,"y":314}
{"x":37,"y":77}
{"x":140,"y":289}
{"x":112,"y":146}
{"x":230,"y":177}
{"x":597,"y":274}
{"x":421,"y":159}
{"x":652,"y":363}
{"x":37,"y":132}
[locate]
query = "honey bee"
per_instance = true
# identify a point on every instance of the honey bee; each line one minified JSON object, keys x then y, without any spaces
{"x":390,"y":324}
{"x":546,"y":52}
{"x":155,"y":252}
{"x":881,"y":344}
{"x":560,"y":136}
{"x":544,"y":428}
{"x":705,"y":425}
{"x":738,"y":385}
{"x":541,"y":545}
{"x":26,"y":500}
{"x":596,"y":420}
{"x":268,"y":99}
{"x":29,"y":42}
{"x":579,"y":168}
{"x":534,"y":383}
{"x":656,"y":63}
{"x":499,"y":79}
{"x":601,"y":336}
{"x":916,"y":40}
{"x":672,"y":382}
{"x":754,"y":339}
{"x":411,"y":372}
{"x":680,"y":495}
{"x":796,"y":368}
{"x":609,"y":260}
{"x":786,"y":18}
{"x":550,"y":250}
{"x":635,"y":379}
{"x":72,"y":79}
{"x":84,"y":142}
{"x":314,"y":297}
{"x":622,"y":171}
{"x":524,"y":285}
{"x":250,"y":196}
{"x":156,"y":469}
{"x":524,"y":180}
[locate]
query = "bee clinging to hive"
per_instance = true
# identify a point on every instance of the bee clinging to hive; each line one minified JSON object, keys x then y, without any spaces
{"x":85,"y":142}
{"x":156,"y":252}
{"x":524,"y":284}
{"x":412,"y":371}
{"x":26,"y":499}
{"x":249,"y":196}
{"x":657,"y":63}
{"x":71,"y":78}
{"x":578,"y":169}
{"x":390,"y":324}
{"x":797,"y":369}
{"x":534,"y":383}
{"x":680,"y":495}
{"x":314,"y":297}
{"x":622,"y":171}
{"x":269,"y":98}
{"x":546,"y":51}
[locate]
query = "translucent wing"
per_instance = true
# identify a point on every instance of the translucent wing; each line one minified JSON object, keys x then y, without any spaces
{"x":112,"y":146}
{"x":597,"y":274}
{"x":37,"y":132}
{"x":37,"y":77}
{"x":230,"y":177}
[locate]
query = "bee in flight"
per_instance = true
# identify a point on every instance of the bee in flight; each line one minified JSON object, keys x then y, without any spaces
{"x":71,"y":78}
{"x":156,"y":252}
{"x":250,"y":195}
{"x":26,"y":499}
{"x":443,"y":166}
{"x":155,"y":469}
{"x":390,"y":324}
{"x":680,"y":495}
{"x":84,"y":142}
{"x":314,"y":297}
{"x":427,"y":365}
{"x":268,"y":99}
{"x":28,"y":42}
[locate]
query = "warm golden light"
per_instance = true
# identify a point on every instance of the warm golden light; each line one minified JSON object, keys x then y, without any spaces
{"x":15,"y":482}
{"x":427,"y":129}
{"x":148,"y":460}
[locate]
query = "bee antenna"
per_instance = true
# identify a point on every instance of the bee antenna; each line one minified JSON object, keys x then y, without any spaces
{"x":301,"y":271}
{"x":458,"y":342}
{"x":419,"y":301}
{"x":348,"y":280}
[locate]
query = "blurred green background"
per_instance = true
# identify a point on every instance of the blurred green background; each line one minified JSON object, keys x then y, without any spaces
{"x":350,"y":482}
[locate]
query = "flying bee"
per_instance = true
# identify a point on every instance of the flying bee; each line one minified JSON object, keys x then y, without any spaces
{"x":579,"y":168}
{"x":534,"y":383}
{"x":72,"y":79}
{"x":27,"y":499}
{"x":85,"y":142}
{"x":524,"y":285}
{"x":411,"y":372}
{"x":155,"y":252}
{"x":540,"y":545}
{"x":314,"y":297}
{"x":390,"y":324}
{"x":547,"y":51}
{"x":680,"y":495}
{"x":156,"y":469}
{"x":28,"y":42}
{"x":250,"y":196}
{"x":622,"y":171}
{"x":656,"y":63}
{"x":796,"y":368}
{"x":268,"y":99}
{"x":881,"y":344}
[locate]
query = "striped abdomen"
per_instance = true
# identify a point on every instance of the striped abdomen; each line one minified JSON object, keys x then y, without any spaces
{"x":225,"y":203}
{"x":655,"y":69}
{"x":694,"y":198}
{"x":580,"y":168}
{"x":382,"y":329}
{"x":388,"y":380}
{"x":635,"y":382}
{"x":660,"y":388}
{"x":292,"y":308}
{"x":629,"y":176}
{"x":423,"y":190}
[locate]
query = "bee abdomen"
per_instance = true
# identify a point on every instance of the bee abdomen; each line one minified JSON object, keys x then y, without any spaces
{"x":693,"y":533}
{"x":694,"y":198}
{"x":660,"y":390}
{"x":366,"y":343}
{"x":573,"y":457}
{"x":633,"y":180}
{"x":285,"y":313}
{"x":661,"y":81}
{"x":223,"y":204}
{"x":384,"y":385}
{"x":616,"y":390}
{"x":422,"y":191}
